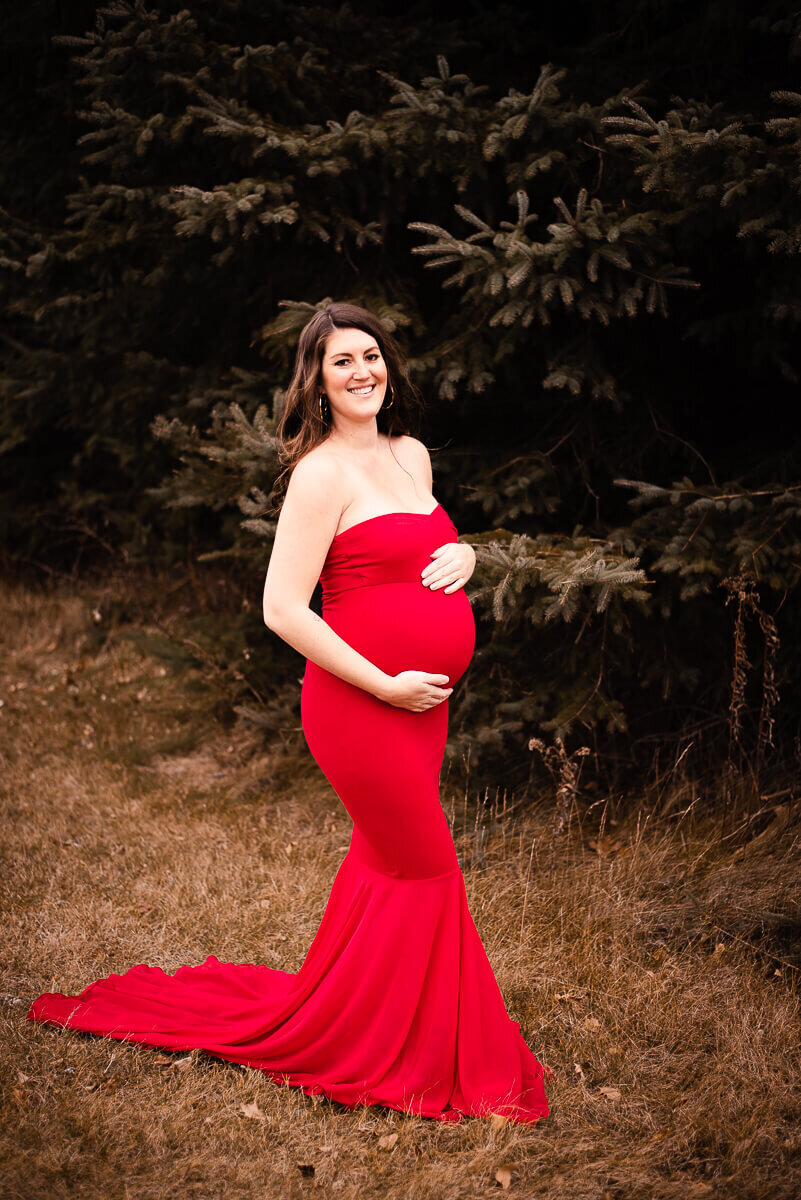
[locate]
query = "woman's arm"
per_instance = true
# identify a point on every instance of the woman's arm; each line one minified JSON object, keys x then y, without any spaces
{"x":306,"y":525}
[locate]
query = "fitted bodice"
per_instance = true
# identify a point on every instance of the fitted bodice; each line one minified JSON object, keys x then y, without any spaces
{"x":374,"y":596}
{"x":388,"y":548}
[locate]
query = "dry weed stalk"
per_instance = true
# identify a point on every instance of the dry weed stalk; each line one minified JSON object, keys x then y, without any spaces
{"x":742,"y":587}
{"x":770,"y":692}
{"x":565,"y":771}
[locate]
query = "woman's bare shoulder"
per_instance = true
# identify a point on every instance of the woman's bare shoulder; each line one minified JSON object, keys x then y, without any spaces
{"x":318,"y":470}
{"x":412,"y":445}
{"x":413,"y":454}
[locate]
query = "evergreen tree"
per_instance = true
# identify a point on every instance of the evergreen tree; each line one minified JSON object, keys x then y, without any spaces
{"x":606,"y":357}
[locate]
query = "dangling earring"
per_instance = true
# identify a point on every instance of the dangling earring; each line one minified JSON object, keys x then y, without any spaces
{"x":392,"y":394}
{"x":322,"y":415}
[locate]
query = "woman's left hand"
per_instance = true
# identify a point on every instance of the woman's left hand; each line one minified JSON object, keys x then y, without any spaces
{"x":454,"y":564}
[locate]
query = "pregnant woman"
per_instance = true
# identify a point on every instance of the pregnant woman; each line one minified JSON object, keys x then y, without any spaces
{"x":396,"y":1003}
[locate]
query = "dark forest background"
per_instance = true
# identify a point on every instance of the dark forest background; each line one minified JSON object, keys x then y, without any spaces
{"x":584,"y":225}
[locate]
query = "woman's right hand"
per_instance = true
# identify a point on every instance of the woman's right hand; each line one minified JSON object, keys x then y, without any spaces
{"x":417,"y":690}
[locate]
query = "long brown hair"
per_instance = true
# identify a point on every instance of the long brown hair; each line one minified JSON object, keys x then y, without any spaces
{"x":301,"y":427}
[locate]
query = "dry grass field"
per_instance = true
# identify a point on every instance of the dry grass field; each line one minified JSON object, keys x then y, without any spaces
{"x":651,"y":963}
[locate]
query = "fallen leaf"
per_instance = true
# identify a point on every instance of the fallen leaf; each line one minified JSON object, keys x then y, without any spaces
{"x":504,"y":1176}
{"x":387,"y":1141}
{"x":578,"y":1070}
{"x":22,"y":1078}
{"x":592,"y":1023}
{"x":610,"y":1093}
{"x":252,"y":1111}
{"x":183,"y":1063}
{"x":163,"y":1060}
{"x":497,"y":1122}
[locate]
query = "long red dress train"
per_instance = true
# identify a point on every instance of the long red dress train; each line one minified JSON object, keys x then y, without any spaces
{"x":396,"y":1003}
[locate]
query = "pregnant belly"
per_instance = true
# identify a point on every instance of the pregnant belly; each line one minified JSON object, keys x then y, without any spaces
{"x":407,"y":627}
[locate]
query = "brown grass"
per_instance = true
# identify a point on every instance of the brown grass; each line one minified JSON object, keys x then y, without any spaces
{"x":650,"y":964}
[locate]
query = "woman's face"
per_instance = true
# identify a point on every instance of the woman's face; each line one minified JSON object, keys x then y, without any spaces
{"x":354,"y":374}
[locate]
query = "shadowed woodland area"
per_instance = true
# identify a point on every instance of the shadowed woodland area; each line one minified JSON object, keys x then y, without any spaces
{"x":585,"y":230}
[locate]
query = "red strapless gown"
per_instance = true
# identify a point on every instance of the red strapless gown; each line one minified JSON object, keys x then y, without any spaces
{"x":396,"y":1003}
